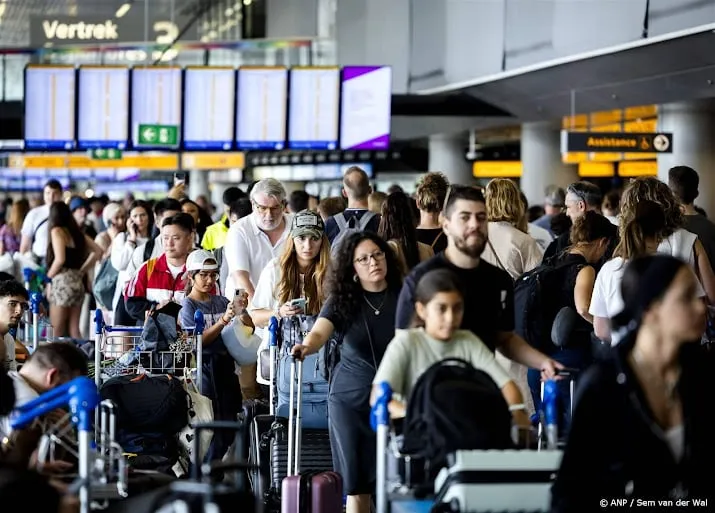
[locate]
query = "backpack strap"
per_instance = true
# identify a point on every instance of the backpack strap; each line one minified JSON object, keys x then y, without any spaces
{"x":341,"y":222}
{"x":150,"y":264}
{"x":439,"y":236}
{"x":365,"y":220}
{"x":37,"y":228}
{"x":149,"y":249}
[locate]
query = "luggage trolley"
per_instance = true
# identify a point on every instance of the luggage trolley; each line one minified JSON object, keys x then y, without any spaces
{"x":120,"y":350}
{"x":102,"y":469}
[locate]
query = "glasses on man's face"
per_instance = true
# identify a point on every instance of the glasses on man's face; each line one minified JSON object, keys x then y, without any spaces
{"x":14,"y":305}
{"x":207,"y":275}
{"x":364,"y":260}
{"x":263,"y":209}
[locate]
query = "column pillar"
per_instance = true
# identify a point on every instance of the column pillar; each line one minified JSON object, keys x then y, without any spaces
{"x":693,"y":127}
{"x":447,"y":155}
{"x":198,"y":184}
{"x":541,"y":160}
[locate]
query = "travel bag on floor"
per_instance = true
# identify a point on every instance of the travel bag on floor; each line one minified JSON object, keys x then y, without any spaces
{"x":303,"y":491}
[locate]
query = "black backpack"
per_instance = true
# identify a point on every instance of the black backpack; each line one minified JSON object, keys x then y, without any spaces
{"x":454,"y":406}
{"x":537,"y":301}
{"x":148,"y":404}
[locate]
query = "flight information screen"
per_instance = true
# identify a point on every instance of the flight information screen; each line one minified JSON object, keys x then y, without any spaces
{"x":366,"y":100}
{"x":209,"y":108}
{"x":314,"y":108}
{"x":103,"y":113}
{"x":261,"y":108}
{"x":50,"y":107}
{"x":156,"y":100}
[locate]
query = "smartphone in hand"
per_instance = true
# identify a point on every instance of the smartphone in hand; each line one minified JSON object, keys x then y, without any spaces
{"x":298,"y":303}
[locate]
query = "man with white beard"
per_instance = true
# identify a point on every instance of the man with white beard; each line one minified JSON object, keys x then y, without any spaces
{"x":250,"y":244}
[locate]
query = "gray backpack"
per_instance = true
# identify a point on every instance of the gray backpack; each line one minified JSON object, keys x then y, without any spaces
{"x":346,"y":227}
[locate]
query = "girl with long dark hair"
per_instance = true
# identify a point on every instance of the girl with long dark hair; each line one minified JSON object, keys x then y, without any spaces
{"x":397,"y":227}
{"x":361,"y":306}
{"x":70,"y":254}
{"x":652,"y":392}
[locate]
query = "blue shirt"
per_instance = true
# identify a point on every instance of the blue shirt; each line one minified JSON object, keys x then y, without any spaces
{"x":212,"y":309}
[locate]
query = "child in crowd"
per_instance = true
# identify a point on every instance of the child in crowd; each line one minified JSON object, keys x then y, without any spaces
{"x":439,"y":308}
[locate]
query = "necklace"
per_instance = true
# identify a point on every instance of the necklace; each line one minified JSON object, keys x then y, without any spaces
{"x":376,"y":309}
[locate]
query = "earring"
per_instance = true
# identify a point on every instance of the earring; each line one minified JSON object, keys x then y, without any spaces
{"x":355,"y":278}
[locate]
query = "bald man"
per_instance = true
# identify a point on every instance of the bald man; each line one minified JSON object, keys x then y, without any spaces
{"x":356,"y":189}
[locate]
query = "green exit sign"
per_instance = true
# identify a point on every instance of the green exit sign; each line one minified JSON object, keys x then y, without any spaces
{"x":159,"y":135}
{"x":105,"y":154}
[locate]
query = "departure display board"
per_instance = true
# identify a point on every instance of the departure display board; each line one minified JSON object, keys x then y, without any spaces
{"x":261,"y":108}
{"x":50,"y":107}
{"x":365,"y":108}
{"x":209,"y":108}
{"x":103,"y":112}
{"x":314,"y":108}
{"x":156,"y":100}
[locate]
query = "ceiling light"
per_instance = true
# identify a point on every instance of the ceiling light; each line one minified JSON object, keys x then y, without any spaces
{"x":204,"y":39}
{"x":213,"y":34}
{"x":229,"y":11}
{"x":247,"y":2}
{"x":123,"y":9}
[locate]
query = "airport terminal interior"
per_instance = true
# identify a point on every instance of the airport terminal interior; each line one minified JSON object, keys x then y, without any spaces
{"x":390,"y":256}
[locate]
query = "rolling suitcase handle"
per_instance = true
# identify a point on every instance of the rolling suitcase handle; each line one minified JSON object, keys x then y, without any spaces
{"x":295,"y":416}
{"x":380,"y":420}
{"x":273,"y":358}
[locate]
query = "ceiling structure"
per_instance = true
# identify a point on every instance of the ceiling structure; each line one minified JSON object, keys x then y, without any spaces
{"x":672,"y":68}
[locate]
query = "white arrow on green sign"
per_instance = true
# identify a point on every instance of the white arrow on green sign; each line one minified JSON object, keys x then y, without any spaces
{"x":159,"y":135}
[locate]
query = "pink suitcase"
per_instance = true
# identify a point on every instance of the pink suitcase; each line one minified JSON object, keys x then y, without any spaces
{"x":312,"y":492}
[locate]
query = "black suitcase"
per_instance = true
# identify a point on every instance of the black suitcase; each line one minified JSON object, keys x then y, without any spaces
{"x":268,"y":453}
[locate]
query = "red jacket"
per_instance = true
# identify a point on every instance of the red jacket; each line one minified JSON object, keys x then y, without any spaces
{"x":153,"y":283}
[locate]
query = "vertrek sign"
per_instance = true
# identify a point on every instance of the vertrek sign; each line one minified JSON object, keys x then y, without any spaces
{"x":88,"y":29}
{"x":107,"y":31}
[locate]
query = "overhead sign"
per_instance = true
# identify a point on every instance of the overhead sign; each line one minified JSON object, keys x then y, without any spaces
{"x":211,"y":160}
{"x":127,"y":29}
{"x":610,"y":142}
{"x":158,"y":162}
{"x":158,"y":135}
{"x":496,"y":169}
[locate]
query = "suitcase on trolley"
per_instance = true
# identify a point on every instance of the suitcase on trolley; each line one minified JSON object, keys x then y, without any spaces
{"x":304,"y":491}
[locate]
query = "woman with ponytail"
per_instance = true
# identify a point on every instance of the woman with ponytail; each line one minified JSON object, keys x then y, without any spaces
{"x":642,"y":428}
{"x":640,"y":235}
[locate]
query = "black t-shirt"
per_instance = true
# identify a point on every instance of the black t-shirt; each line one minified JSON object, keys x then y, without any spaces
{"x":358,"y":357}
{"x":488,"y":302}
{"x":433,"y":237}
{"x":331,"y":226}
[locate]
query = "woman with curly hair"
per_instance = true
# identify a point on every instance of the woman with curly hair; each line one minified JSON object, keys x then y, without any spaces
{"x":430,"y":195}
{"x":362,"y":301}
{"x":397,"y":228}
{"x":675,"y":240}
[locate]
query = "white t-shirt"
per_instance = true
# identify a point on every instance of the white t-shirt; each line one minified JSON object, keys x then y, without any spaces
{"x":411,"y":352}
{"x":606,"y":300}
{"x":175,"y":270}
{"x":35,"y":225}
{"x":24,"y":393}
{"x":264,"y":297}
{"x":10,"y":363}
{"x":249,"y":249}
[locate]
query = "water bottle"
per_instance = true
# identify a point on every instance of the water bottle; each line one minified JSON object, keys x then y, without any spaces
{"x":551,"y":414}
